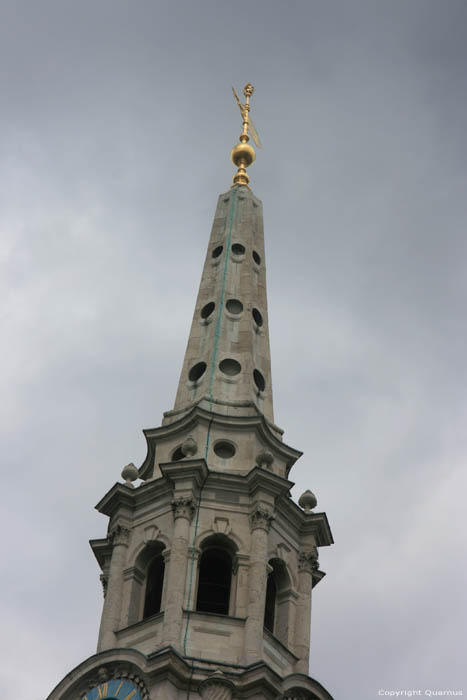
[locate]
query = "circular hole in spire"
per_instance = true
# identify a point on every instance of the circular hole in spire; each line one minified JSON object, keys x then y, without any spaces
{"x":258,"y":319}
{"x":207,"y":309}
{"x":238,"y":249}
{"x":259,"y":380}
{"x":256,"y":257}
{"x":230,"y":367}
{"x":217,"y":251}
{"x":197,"y":371}
{"x":234,"y":306}
{"x":224,"y":449}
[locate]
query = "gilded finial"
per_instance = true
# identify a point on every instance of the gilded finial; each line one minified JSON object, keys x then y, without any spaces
{"x":243,"y":154}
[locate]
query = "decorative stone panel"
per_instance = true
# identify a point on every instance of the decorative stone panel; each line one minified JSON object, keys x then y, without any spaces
{"x":217,"y":687}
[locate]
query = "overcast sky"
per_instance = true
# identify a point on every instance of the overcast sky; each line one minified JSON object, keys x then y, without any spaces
{"x":116,"y":125}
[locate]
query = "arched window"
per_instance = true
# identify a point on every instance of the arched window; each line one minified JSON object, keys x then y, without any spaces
{"x":154,"y":583}
{"x":277,"y":609}
{"x":270,"y":607}
{"x":214,"y":581}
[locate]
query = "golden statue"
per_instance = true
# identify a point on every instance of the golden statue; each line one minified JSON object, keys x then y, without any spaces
{"x":243,"y":154}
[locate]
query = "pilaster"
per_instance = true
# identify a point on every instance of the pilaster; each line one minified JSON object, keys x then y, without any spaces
{"x":183,"y":511}
{"x":307,"y":564}
{"x":110,"y":620}
{"x":260,"y":523}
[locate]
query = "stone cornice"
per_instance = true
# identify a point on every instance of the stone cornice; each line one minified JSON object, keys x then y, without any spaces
{"x":157,"y":619}
{"x":122,"y":661}
{"x":316,"y":577}
{"x":255,"y":679}
{"x":102,"y":549}
{"x":194,"y":471}
{"x":260,"y":479}
{"x":314,"y":524}
{"x":132,"y":572}
{"x":197,"y":414}
{"x":317,"y":524}
{"x":274,"y":641}
{"x":300,"y":685}
{"x":118,"y":496}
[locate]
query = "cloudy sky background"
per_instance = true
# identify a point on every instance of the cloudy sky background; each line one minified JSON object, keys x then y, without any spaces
{"x":116,"y":126}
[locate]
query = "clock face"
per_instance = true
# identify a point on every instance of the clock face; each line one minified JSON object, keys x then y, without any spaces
{"x":114,"y":690}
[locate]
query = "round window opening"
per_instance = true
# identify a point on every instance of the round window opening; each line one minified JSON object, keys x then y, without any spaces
{"x":230,"y":367}
{"x":258,"y":319}
{"x":217,"y":251}
{"x":259,"y":380}
{"x":197,"y":371}
{"x":234,"y":306}
{"x":207,"y":310}
{"x":256,"y":257}
{"x":238,"y":249}
{"x":224,"y":449}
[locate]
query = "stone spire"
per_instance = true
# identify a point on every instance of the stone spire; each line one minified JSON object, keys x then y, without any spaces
{"x":224,"y":400}
{"x":227,"y":366}
{"x":208,"y":565}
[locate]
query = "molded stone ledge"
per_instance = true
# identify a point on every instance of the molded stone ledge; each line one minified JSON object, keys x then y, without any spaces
{"x":317,"y":524}
{"x":166,"y":666}
{"x":102,"y":549}
{"x":311,"y":526}
{"x":269,"y":434}
{"x":141,"y":624}
{"x":277,"y":654}
{"x":121,"y":498}
{"x":298,"y":686}
{"x":145,"y":634}
{"x":194,"y":471}
{"x":213,"y":617}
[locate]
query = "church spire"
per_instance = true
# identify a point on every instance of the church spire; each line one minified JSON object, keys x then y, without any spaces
{"x":208,"y":564}
{"x":227,"y":366}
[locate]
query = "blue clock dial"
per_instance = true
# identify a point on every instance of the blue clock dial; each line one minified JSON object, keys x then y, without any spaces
{"x":116,"y":689}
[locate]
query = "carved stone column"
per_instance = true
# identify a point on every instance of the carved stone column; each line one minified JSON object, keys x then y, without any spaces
{"x":110,"y":621}
{"x":307,"y":563}
{"x":183,"y":510}
{"x":260,"y":522}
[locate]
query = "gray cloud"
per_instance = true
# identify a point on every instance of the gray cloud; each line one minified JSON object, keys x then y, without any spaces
{"x":116,"y":127}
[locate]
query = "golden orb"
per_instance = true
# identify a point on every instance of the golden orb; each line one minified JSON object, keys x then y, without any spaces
{"x":243,"y":155}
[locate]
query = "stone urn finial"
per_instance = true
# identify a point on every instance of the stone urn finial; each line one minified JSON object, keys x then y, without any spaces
{"x":189,"y":447}
{"x":264,"y":459}
{"x":129,"y":474}
{"x":307,"y":501}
